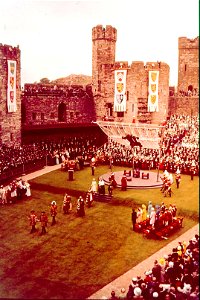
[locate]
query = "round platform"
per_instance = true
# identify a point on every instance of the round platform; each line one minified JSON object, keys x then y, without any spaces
{"x":136,"y":183}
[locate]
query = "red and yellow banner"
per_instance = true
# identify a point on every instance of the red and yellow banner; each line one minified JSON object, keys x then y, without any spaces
{"x":120,"y":90}
{"x":153,"y":91}
{"x":11,"y":90}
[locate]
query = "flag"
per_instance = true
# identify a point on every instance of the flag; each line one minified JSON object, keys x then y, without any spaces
{"x":11,"y":86}
{"x":120,"y":90}
{"x":153,"y":91}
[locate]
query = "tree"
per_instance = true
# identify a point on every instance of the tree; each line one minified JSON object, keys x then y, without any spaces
{"x":44,"y":80}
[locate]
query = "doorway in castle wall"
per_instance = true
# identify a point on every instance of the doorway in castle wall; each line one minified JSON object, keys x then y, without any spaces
{"x":62,"y":112}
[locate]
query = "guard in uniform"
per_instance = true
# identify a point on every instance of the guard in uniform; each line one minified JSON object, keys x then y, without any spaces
{"x":66,"y":204}
{"x":53,"y":211}
{"x":44,"y":221}
{"x":33,"y":220}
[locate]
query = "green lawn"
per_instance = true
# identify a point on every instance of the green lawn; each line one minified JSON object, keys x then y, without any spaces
{"x":78,"y":256}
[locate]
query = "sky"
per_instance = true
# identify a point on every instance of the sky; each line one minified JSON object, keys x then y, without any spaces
{"x":55,"y":37}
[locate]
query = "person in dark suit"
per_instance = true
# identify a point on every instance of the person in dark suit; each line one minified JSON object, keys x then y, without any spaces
{"x":134,"y":217}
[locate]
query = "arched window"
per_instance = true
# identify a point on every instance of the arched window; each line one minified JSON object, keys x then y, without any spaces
{"x":62,"y":112}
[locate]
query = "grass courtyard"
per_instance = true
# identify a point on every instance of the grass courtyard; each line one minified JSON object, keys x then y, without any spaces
{"x":78,"y":256}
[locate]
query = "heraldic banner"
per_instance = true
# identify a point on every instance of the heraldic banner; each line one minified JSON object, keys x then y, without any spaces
{"x":153,"y":91}
{"x":11,"y":90}
{"x":120,"y":90}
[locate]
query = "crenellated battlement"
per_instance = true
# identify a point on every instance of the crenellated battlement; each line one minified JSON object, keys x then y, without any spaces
{"x":106,"y":33}
{"x":186,"y":43}
{"x":9,"y":51}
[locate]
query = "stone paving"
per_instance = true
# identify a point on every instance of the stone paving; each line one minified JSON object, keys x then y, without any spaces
{"x":124,"y":280}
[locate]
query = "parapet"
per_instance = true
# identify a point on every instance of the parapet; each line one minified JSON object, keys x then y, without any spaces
{"x":108,"y":33}
{"x":9,"y":51}
{"x":121,"y":65}
{"x":157,"y":65}
{"x":186,"y":43}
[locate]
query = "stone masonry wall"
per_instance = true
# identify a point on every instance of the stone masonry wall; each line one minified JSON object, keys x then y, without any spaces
{"x":76,"y":105}
{"x":188,"y":64}
{"x":10,"y":122}
{"x":104,"y":64}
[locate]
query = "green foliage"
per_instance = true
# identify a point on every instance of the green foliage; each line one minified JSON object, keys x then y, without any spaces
{"x":44,"y":81}
{"x":78,"y":256}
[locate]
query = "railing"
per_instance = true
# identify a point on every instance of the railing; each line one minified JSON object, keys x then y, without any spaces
{"x":8,"y":175}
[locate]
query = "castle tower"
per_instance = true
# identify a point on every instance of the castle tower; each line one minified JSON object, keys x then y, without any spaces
{"x":138,"y":77}
{"x":188,"y":64}
{"x":103,"y":59}
{"x":10,"y":103}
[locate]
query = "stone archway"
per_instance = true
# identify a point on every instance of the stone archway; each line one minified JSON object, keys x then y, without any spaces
{"x":62,"y":112}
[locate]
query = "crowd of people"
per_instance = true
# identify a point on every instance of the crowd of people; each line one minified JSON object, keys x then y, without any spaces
{"x":179,"y":149}
{"x":157,"y":221}
{"x":175,"y":276}
{"x":16,"y":191}
{"x":16,"y":160}
{"x":179,"y":152}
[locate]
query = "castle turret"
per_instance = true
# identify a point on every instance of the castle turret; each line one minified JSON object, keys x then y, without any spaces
{"x":103,"y":58}
{"x":10,"y":103}
{"x":188,"y":64}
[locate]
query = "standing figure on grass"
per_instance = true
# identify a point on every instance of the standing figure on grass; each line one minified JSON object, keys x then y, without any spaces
{"x":139,"y":215}
{"x":149,"y":209}
{"x":110,"y":189}
{"x":67,"y":205}
{"x":33,"y":220}
{"x":44,"y":221}
{"x":89,"y":198}
{"x":3,"y":198}
{"x":93,"y":164}
{"x":13,"y":193}
{"x":133,"y":217}
{"x":168,"y":190}
{"x":101,"y":186}
{"x":93,"y":187}
{"x":28,"y":189}
{"x":152,"y":217}
{"x":144,"y":212}
{"x":53,"y":212}
{"x":178,"y":178}
{"x":80,"y":207}
{"x":123,"y":183}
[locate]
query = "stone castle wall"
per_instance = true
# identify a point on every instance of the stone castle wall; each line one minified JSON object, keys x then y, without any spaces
{"x":74,"y":104}
{"x":50,"y":104}
{"x":103,"y":66}
{"x":184,"y":105}
{"x":10,"y":122}
{"x":188,"y":71}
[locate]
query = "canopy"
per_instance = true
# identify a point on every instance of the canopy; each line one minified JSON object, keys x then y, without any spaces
{"x":149,"y":134}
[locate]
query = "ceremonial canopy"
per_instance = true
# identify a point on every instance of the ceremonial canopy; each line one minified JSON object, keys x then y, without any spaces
{"x":149,"y":134}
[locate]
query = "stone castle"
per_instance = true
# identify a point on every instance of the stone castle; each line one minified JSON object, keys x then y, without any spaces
{"x":44,"y":106}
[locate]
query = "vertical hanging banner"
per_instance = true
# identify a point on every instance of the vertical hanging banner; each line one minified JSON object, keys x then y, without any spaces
{"x":11,"y":90}
{"x":153,"y":91}
{"x":120,"y":90}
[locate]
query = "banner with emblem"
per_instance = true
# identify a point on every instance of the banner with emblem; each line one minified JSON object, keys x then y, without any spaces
{"x":120,"y":90}
{"x":153,"y":91}
{"x":11,"y":84}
